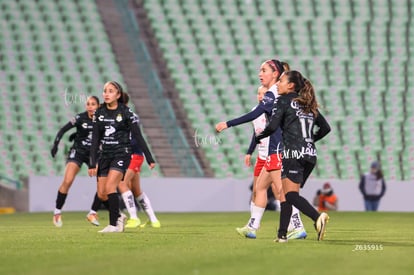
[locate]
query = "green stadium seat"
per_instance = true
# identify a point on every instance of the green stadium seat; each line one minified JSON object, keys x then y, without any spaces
{"x":346,"y":67}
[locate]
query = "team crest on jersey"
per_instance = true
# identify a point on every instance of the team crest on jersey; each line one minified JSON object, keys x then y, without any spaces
{"x":119,"y":118}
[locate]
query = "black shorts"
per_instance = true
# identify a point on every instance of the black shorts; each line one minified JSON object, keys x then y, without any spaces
{"x":118,"y":163}
{"x":78,"y":157}
{"x":297,"y":170}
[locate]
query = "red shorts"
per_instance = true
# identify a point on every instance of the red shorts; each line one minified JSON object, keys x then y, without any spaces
{"x":273,"y":162}
{"x":136,"y":163}
{"x":258,"y":166}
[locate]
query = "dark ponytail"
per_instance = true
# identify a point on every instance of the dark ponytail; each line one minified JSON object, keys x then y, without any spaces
{"x":305,"y":90}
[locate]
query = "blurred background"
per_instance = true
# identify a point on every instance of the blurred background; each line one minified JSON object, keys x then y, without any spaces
{"x":188,"y":64}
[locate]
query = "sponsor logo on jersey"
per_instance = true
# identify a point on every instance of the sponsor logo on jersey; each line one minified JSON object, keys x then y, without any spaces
{"x":85,"y":125}
{"x":109,"y":130}
{"x":101,"y":118}
{"x":134,"y":118}
{"x":120,"y":163}
{"x":293,"y":171}
{"x":119,"y":118}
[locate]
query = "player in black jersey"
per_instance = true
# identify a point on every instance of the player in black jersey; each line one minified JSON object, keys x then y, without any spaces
{"x":130,"y":189}
{"x":296,"y":112}
{"x":113,"y":123}
{"x":79,"y":153}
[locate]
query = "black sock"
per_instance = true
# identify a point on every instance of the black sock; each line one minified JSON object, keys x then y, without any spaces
{"x":113,"y":208}
{"x":96,"y":203}
{"x":106,"y":204}
{"x":302,"y":204}
{"x":285,"y":213}
{"x":60,"y":200}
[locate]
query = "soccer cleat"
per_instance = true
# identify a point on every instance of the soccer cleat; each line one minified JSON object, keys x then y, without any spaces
{"x":281,"y":239}
{"x":320,"y":225}
{"x":246,"y":232}
{"x":57,"y":220}
{"x":132,"y":223}
{"x":120,"y":223}
{"x":155,"y":224}
{"x":110,"y":229}
{"x":93,"y":219}
{"x":297,"y":234}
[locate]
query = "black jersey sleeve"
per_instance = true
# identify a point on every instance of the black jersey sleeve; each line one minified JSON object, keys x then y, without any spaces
{"x":133,"y":121}
{"x":62,"y":131}
{"x":324,"y":127}
{"x":252,"y":145}
{"x":59,"y":136}
{"x":275,"y":120}
{"x":96,"y":137}
{"x":136,"y":132}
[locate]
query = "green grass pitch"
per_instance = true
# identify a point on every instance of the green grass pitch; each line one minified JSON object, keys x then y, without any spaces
{"x":206,"y":243}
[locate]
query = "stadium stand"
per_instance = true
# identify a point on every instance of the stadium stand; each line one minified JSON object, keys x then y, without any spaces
{"x":357,"y":54}
{"x":54,"y":54}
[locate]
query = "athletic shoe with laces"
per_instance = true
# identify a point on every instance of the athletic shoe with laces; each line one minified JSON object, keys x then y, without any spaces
{"x":281,"y":239}
{"x":57,"y":220}
{"x":93,"y":219}
{"x":110,"y":229}
{"x":297,"y":234}
{"x":133,"y":223}
{"x":155,"y":224}
{"x":247,"y":232}
{"x":320,"y":225}
{"x":120,"y":223}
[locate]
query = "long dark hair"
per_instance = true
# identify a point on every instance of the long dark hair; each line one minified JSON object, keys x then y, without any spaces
{"x":95,"y":98}
{"x":305,"y":90}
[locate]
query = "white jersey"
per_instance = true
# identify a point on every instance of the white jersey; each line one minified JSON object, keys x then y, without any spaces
{"x":263,"y":147}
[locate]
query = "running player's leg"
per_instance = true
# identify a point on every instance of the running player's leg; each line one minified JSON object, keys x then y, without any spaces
{"x":92,"y":216}
{"x":291,"y":184}
{"x":111,"y":183}
{"x":257,"y":210}
{"x":145,"y":203}
{"x":140,"y":196}
{"x":129,"y":200}
{"x":72,"y":169}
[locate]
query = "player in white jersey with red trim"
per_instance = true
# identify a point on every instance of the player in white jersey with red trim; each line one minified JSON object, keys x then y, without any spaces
{"x":296,"y":228}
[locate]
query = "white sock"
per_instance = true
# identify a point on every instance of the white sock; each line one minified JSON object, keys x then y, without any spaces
{"x":145,"y":204}
{"x":57,"y":211}
{"x":251,"y":211}
{"x":256,"y":217}
{"x":277,"y":202}
{"x":92,"y":212}
{"x":128,"y":198}
{"x":295,"y":221}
